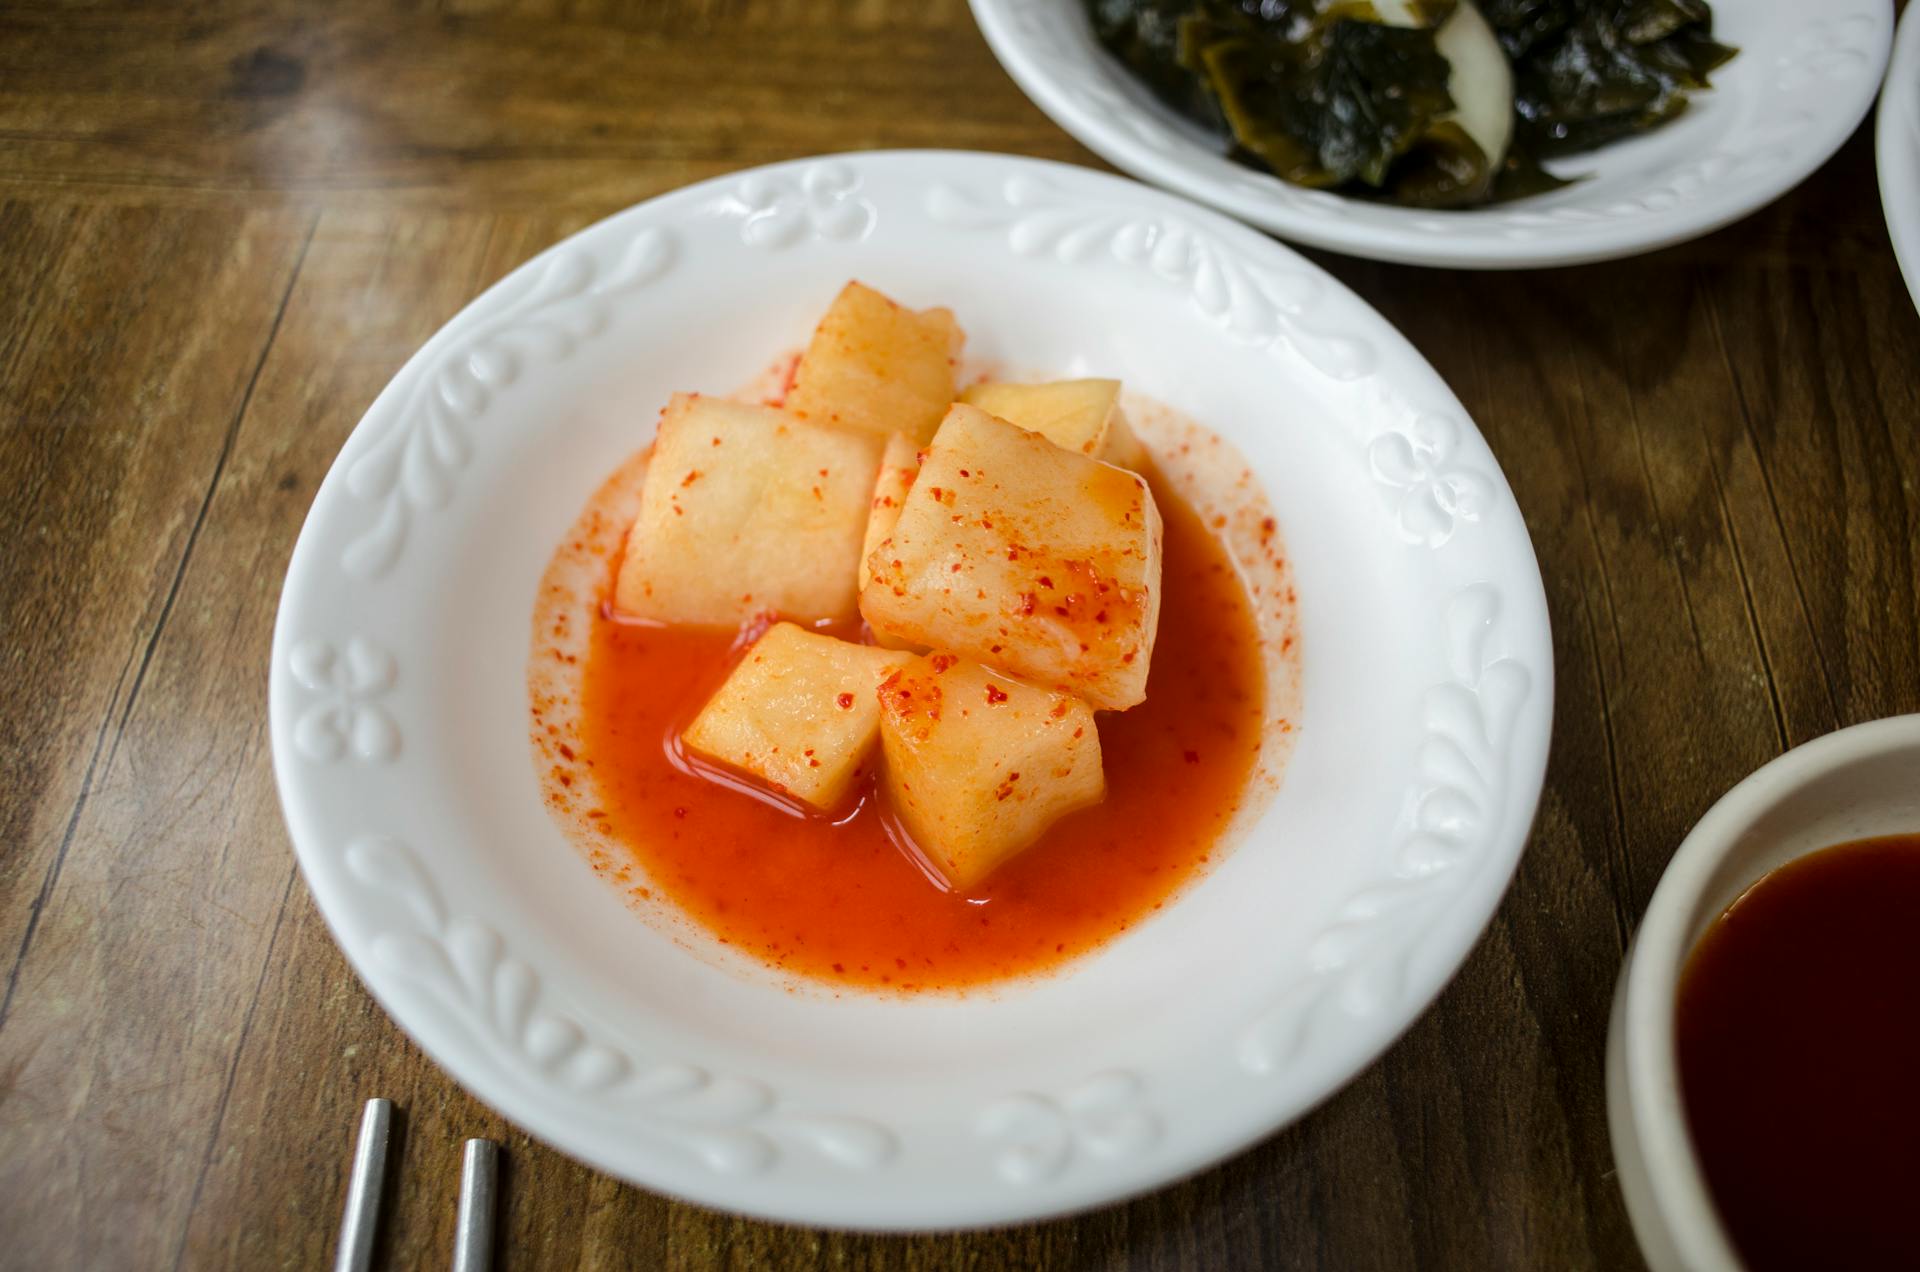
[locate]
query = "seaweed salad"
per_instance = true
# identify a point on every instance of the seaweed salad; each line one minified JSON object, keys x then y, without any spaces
{"x":1430,"y":103}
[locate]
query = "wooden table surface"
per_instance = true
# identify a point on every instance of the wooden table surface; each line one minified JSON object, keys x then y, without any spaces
{"x":223,"y":226}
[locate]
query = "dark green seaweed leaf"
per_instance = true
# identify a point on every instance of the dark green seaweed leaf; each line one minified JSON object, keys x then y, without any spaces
{"x":1145,"y":34}
{"x":1340,"y":109}
{"x":1646,"y":21}
{"x":1587,"y":72}
{"x":1522,"y":24}
{"x":1324,"y":93}
{"x":1445,"y":168}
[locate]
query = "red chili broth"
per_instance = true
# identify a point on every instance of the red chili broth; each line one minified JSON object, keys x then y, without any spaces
{"x":834,"y":898}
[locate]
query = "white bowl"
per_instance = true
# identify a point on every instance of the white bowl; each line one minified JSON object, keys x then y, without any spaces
{"x":1897,"y":150}
{"x":1805,"y":77}
{"x":400,"y":734}
{"x":1854,"y":784}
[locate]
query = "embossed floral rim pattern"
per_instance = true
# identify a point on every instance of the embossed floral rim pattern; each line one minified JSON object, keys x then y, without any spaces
{"x":403,"y":774}
{"x":1805,"y":77}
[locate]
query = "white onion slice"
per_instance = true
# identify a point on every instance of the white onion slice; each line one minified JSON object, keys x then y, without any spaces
{"x":1478,"y":76}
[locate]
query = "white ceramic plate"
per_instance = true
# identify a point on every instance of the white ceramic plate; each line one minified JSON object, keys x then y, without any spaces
{"x":1897,"y":151}
{"x":400,"y":737}
{"x":1806,"y":74}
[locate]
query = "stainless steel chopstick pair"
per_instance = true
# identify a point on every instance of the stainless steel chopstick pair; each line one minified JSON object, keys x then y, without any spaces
{"x":473,"y":1231}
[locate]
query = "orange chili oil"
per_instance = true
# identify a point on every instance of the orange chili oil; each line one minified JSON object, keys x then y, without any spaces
{"x":833,"y":897}
{"x":1798,"y":1037}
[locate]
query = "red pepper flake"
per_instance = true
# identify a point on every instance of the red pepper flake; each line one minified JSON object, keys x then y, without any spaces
{"x":680,"y":812}
{"x":965,"y":473}
{"x":1193,"y":757}
{"x":1080,"y":731}
{"x":1046,"y":582}
{"x":996,"y":694}
{"x":1059,"y":709}
{"x":1028,"y":602}
{"x":566,"y":750}
{"x":943,"y":661}
{"x":693,"y":475}
{"x":816,"y":493}
{"x":846,"y":701}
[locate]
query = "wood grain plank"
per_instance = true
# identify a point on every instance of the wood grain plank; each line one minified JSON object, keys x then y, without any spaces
{"x":113,"y":416}
{"x":1809,"y":355}
{"x":1685,"y":690}
{"x":601,"y":110}
{"x":141,"y":988}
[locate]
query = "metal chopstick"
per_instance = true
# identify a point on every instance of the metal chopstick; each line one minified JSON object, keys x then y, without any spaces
{"x":473,"y":1231}
{"x":362,"y":1217}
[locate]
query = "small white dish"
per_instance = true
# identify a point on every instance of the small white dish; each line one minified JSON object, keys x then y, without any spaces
{"x":1805,"y":77}
{"x":399,"y":711}
{"x":1854,"y":784}
{"x":1897,"y":151}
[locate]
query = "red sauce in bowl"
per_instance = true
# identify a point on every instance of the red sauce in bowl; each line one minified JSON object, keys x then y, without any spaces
{"x":834,"y":899}
{"x":1797,"y":1028}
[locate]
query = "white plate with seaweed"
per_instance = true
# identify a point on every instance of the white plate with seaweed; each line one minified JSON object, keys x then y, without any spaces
{"x":1897,"y":148}
{"x":1804,"y":77}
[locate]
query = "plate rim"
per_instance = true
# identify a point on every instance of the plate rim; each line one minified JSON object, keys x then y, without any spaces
{"x":1503,"y":853}
{"x":1461,"y":245}
{"x":1896,"y":146}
